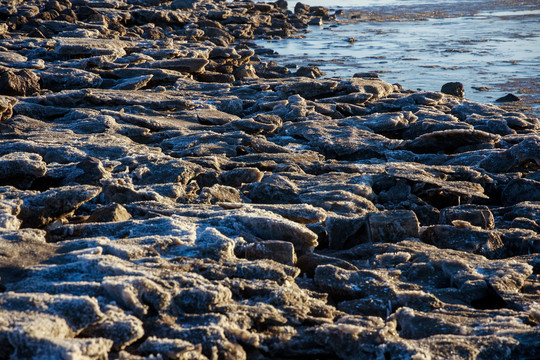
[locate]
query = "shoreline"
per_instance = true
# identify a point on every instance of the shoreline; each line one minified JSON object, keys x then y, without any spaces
{"x":410,"y":45}
{"x":167,"y":193}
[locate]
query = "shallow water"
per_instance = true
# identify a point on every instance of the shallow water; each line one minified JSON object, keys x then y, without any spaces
{"x":480,"y":44}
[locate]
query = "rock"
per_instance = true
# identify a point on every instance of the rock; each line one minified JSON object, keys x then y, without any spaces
{"x":466,"y":239}
{"x":186,"y":65}
{"x":245,"y":72}
{"x":80,"y":48}
{"x":238,"y":177}
{"x":312,"y":71}
{"x":69,"y":79}
{"x":309,"y":262}
{"x":121,"y":328}
{"x":184,"y":4}
{"x":508,"y":98}
{"x":111,"y":213}
{"x":449,"y":140}
{"x":476,"y":215}
{"x":274,"y":227}
{"x":301,"y":9}
{"x":172,"y":348}
{"x":309,"y":89}
{"x":18,"y":83}
{"x":219,"y":193}
{"x":280,"y":251}
{"x":453,"y":88}
{"x":345,"y":284}
{"x":44,"y":208}
{"x":20,"y":168}
{"x":135,"y":83}
{"x":164,"y":184}
{"x":525,"y":151}
{"x":215,"y":117}
{"x":392,"y":226}
{"x":519,"y":190}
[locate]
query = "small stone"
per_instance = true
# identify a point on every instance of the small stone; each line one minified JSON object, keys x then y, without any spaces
{"x":6,"y":107}
{"x":453,"y":88}
{"x":477,"y":241}
{"x":240,"y":176}
{"x":508,"y":98}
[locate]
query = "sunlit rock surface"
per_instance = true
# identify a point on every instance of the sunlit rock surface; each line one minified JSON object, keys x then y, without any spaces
{"x":166,"y":193}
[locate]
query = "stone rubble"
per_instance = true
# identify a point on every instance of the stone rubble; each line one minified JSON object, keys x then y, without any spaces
{"x":167,"y":193}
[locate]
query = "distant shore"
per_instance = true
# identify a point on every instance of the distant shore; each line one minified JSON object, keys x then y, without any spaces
{"x":168,"y":192}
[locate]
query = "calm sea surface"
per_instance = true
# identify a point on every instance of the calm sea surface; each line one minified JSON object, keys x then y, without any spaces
{"x":492,"y":45}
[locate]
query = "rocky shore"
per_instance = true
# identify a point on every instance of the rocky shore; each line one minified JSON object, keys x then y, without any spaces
{"x":167,"y":194}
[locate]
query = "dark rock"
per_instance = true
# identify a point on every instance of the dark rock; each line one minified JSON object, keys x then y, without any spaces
{"x":392,"y":226}
{"x":111,"y":213}
{"x":454,"y":88}
{"x":69,"y":79}
{"x":301,"y":9}
{"x":508,"y":98}
{"x":309,"y":262}
{"x":449,"y":140}
{"x":312,"y":72}
{"x":41,"y":209}
{"x":527,"y":151}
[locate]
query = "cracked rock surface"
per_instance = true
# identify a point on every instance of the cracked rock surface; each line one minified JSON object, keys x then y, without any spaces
{"x":167,"y":193}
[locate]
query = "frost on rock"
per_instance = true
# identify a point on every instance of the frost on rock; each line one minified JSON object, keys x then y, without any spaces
{"x":168,"y":192}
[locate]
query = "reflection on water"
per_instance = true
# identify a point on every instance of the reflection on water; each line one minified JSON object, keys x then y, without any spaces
{"x":486,"y":49}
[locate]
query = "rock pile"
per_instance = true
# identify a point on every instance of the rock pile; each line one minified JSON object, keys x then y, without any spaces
{"x":165,"y":192}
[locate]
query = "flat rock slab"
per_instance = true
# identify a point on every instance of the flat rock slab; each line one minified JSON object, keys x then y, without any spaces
{"x":168,"y":191}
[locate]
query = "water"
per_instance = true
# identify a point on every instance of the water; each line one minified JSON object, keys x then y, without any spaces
{"x":483,"y":44}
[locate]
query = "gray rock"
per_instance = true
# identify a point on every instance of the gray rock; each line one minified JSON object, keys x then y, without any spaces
{"x":121,"y":328}
{"x":527,"y":150}
{"x":508,"y":98}
{"x":240,"y":176}
{"x":185,"y":65}
{"x":21,"y":165}
{"x":467,"y":239}
{"x":519,"y":190}
{"x":135,"y":83}
{"x":280,"y":251}
{"x":41,"y":209}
